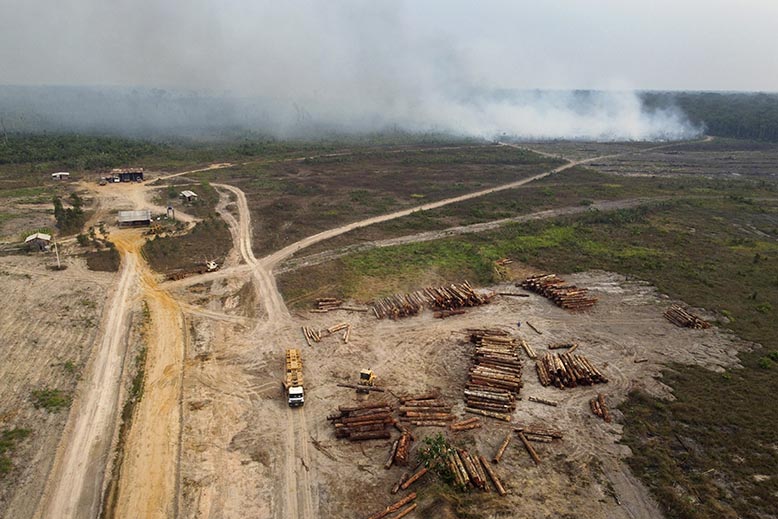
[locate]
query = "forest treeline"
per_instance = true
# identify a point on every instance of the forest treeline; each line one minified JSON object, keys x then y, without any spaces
{"x":726,"y":114}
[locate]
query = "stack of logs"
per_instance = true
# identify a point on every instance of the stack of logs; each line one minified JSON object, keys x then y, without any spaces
{"x":401,"y":449}
{"x":425,"y":410}
{"x":466,"y":425}
{"x":600,"y":407}
{"x":553,"y":287}
{"x":495,"y":378}
{"x":363,"y":422}
{"x":312,"y":335}
{"x":680,"y":317}
{"x":567,"y":370}
{"x":443,"y":299}
{"x":473,"y":471}
{"x":326,"y":304}
{"x":536,"y":434}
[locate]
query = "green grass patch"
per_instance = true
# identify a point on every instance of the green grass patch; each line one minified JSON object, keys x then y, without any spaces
{"x":9,"y":439}
{"x":51,"y":400}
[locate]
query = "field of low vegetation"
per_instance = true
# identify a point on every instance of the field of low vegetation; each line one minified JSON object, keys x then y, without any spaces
{"x":711,"y":243}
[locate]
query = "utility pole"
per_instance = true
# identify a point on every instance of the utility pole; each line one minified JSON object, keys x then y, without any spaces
{"x":56,"y":250}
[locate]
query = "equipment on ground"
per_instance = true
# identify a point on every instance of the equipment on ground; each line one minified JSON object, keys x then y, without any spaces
{"x":211,"y":266}
{"x":293,"y":379}
{"x":366,"y":380}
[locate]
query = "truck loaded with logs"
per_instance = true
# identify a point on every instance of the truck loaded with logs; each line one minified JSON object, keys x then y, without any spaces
{"x":293,"y":378}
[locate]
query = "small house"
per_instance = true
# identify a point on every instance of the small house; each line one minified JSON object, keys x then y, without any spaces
{"x":128,"y":174}
{"x":189,"y":196}
{"x":39,"y":241}
{"x":60,"y":175}
{"x":134,"y":218}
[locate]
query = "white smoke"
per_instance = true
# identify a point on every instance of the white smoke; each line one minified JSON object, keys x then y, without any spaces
{"x":289,"y":67}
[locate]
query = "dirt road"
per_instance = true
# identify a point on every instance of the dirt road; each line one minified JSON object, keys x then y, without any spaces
{"x":148,"y":483}
{"x":75,"y":482}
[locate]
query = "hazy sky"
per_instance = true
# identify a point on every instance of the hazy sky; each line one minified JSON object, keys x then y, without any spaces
{"x":337,"y":47}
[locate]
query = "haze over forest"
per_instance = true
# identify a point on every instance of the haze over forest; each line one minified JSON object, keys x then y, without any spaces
{"x":556,"y":70}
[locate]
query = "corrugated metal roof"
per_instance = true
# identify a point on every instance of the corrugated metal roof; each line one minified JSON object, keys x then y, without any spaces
{"x":134,"y":216}
{"x":188,"y":193}
{"x":39,"y":236}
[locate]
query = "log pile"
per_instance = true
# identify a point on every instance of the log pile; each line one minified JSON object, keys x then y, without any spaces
{"x":363,"y":422}
{"x":600,"y":407}
{"x":328,"y":304}
{"x":567,"y":370}
{"x":426,"y":411}
{"x":685,"y":319}
{"x":553,"y":287}
{"x":495,"y":377}
{"x":470,"y":472}
{"x":465,"y":425}
{"x":539,"y":433}
{"x":403,"y":450}
{"x":445,"y":298}
{"x":311,"y":335}
{"x":529,"y":350}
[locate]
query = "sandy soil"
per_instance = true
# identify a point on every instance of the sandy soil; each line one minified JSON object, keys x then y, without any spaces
{"x":48,"y":323}
{"x":75,"y":482}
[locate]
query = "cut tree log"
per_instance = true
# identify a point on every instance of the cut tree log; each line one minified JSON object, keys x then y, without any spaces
{"x":392,"y":453}
{"x":396,"y":487}
{"x":414,"y":478}
{"x":501,"y":450}
{"x":529,"y":447}
{"x":394,"y":506}
{"x":493,"y":476}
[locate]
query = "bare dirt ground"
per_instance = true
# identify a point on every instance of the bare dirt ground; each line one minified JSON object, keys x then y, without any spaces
{"x":48,"y":322}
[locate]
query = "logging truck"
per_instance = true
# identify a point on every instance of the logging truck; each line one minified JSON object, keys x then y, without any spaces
{"x":293,"y":379}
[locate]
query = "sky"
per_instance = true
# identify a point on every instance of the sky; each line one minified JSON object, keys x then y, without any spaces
{"x":249,"y":46}
{"x":398,"y":60}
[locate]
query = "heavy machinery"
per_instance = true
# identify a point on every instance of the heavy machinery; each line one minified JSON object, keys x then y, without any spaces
{"x":293,"y":379}
{"x":366,"y":380}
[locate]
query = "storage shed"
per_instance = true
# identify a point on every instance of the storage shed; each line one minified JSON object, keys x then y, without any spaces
{"x":134,"y":218}
{"x":189,"y":196}
{"x":128,"y":174}
{"x":60,"y":175}
{"x":39,"y":241}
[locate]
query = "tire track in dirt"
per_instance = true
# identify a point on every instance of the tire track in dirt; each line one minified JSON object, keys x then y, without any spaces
{"x":148,"y":483}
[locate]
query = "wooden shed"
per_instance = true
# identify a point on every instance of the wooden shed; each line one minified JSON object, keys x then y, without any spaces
{"x":134,"y":218}
{"x":39,"y":241}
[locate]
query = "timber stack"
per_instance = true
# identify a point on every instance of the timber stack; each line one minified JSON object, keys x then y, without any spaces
{"x":539,"y":433}
{"x":495,"y":377}
{"x":567,"y":370}
{"x":569,"y":297}
{"x":465,"y":425}
{"x":444,"y":298}
{"x":425,"y":410}
{"x":363,"y":422}
{"x":326,"y":304}
{"x":470,"y":472}
{"x":600,"y":407}
{"x":685,"y":319}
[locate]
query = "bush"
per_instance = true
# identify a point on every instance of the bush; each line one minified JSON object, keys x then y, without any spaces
{"x":51,"y":400}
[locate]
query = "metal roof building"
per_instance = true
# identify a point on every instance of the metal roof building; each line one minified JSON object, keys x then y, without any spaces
{"x":134,"y":218}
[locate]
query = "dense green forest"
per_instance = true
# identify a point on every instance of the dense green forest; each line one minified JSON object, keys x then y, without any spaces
{"x":738,"y":115}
